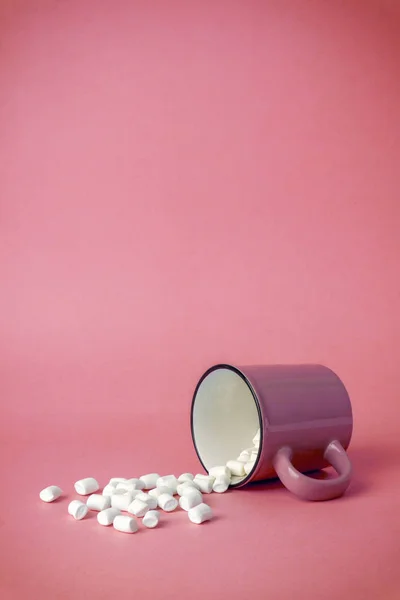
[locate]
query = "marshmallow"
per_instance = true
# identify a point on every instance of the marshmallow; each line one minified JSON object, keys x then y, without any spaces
{"x":242,"y":460}
{"x":248,"y":467}
{"x":136,"y":493}
{"x":190,"y":498}
{"x":235,"y":479}
{"x":164,"y":489}
{"x":256,"y":439}
{"x":149,"y":481}
{"x":115,"y":480}
{"x":215,"y":471}
{"x":77,"y":509}
{"x":109,"y":489}
{"x":50,"y":493}
{"x":139,"y":485}
{"x":186,"y":484}
{"x":121,"y":501}
{"x":168,"y":480}
{"x":151,"y":501}
{"x":128,"y":486}
{"x":185,"y":477}
{"x":205,"y":482}
{"x":87,"y":486}
{"x":167,"y":502}
{"x":138,"y":508}
{"x":125,"y":524}
{"x":244,"y":456}
{"x":122,"y":492}
{"x":254,"y":455}
{"x":98,"y":502}
{"x":106,"y":517}
{"x":200,"y":513}
{"x":188,"y":491}
{"x":236,"y":467}
{"x":221,"y":484}
{"x":151,"y":519}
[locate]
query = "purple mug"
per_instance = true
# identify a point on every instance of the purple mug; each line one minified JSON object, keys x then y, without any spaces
{"x":304,"y":416}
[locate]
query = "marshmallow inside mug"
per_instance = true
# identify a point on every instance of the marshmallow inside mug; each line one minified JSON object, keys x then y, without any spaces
{"x":225,"y":417}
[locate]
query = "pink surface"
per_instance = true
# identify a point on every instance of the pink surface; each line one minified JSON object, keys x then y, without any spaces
{"x":184,"y":183}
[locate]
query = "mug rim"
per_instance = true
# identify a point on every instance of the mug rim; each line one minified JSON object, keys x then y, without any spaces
{"x":236,"y":370}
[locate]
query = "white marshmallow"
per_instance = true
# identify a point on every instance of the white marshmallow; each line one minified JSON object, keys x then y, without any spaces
{"x":244,"y":456}
{"x":121,"y":492}
{"x":185,"y":477}
{"x":221,"y":484}
{"x":86,"y":486}
{"x":194,"y":484}
{"x":249,"y":451}
{"x":151,"y":519}
{"x":50,"y":493}
{"x":156,"y":492}
{"x":127,"y":486}
{"x":98,"y":502}
{"x":200,"y":513}
{"x":135,"y":493}
{"x":188,"y":491}
{"x":168,"y":480}
{"x":77,"y":509}
{"x":186,"y":484}
{"x":256,"y":439}
{"x":248,"y":467}
{"x":151,"y":502}
{"x":236,"y":467}
{"x":107,"y":516}
{"x":242,"y":460}
{"x":190,"y":498}
{"x":167,"y":502}
{"x":236,"y":479}
{"x":254,"y":455}
{"x":121,"y":501}
{"x":125,"y":524}
{"x":109,"y":489}
{"x":215,"y":471}
{"x":115,"y":480}
{"x":138,"y":508}
{"x":205,"y":482}
{"x":149,"y":481}
{"x":139,"y":485}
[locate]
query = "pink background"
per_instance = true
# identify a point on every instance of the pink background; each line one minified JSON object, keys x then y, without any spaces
{"x":183,"y":183}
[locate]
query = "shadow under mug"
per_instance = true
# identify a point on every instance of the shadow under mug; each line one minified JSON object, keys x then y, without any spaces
{"x":304,"y":416}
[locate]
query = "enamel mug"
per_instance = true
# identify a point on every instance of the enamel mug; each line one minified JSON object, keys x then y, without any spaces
{"x":304,"y":416}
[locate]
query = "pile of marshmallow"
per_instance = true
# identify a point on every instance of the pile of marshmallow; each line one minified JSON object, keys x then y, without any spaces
{"x":245,"y":462}
{"x":140,"y":497}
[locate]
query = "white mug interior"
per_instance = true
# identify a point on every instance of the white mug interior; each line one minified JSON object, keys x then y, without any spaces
{"x":225,"y":417}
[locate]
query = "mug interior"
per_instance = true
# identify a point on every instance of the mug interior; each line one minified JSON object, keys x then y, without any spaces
{"x":225,"y":417}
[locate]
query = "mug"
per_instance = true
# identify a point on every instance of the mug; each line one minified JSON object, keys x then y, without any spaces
{"x":304,"y":416}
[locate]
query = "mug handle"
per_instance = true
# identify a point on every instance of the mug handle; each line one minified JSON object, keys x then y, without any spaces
{"x":315,"y":489}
